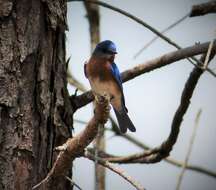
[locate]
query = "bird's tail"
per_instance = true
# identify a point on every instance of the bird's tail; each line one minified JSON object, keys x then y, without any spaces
{"x":124,"y":121}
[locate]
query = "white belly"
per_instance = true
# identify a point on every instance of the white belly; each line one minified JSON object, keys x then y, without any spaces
{"x":99,"y":87}
{"x":110,"y":88}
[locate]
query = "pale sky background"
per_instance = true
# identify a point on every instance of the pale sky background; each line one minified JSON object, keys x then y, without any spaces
{"x":152,"y":98}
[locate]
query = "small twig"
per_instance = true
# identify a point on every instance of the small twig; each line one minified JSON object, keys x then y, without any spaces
{"x":189,"y":150}
{"x":80,"y":121}
{"x":162,"y":32}
{"x":115,"y":169}
{"x":74,"y":82}
{"x":206,"y":62}
{"x":73,"y":183}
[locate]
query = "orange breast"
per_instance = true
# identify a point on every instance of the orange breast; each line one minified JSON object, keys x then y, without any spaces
{"x":102,"y":81}
{"x":99,"y":68}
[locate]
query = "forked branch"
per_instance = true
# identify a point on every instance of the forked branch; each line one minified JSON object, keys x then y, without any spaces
{"x":115,"y":169}
{"x":74,"y":147}
{"x":161,"y":152}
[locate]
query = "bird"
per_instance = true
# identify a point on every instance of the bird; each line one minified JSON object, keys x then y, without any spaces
{"x":104,"y":77}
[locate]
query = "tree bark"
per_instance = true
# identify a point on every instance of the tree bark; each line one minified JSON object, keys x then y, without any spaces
{"x":203,"y":9}
{"x":35,"y":113}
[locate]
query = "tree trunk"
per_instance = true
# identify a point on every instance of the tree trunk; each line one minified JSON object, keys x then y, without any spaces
{"x":35,"y":112}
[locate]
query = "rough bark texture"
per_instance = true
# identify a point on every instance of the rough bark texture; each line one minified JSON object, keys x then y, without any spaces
{"x":203,"y":9}
{"x":35,"y":113}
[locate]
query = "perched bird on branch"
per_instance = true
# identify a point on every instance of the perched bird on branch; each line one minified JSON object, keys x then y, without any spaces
{"x":104,"y":77}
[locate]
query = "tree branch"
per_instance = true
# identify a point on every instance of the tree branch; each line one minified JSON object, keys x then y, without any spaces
{"x":75,"y":146}
{"x":162,"y":32}
{"x":170,"y":160}
{"x":148,"y":66}
{"x":166,"y":59}
{"x":189,"y":150}
{"x":114,"y":169}
{"x":136,"y":19}
{"x":203,"y":9}
{"x":159,"y":153}
{"x":74,"y":82}
{"x":73,"y":183}
{"x":145,"y":25}
{"x":144,"y":146}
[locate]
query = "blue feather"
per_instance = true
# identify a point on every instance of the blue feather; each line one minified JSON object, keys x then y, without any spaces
{"x":116,"y":74}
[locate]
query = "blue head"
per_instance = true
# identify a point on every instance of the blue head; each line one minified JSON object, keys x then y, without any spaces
{"x":104,"y":48}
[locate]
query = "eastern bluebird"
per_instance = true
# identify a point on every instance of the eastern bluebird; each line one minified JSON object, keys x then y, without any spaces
{"x":104,"y":77}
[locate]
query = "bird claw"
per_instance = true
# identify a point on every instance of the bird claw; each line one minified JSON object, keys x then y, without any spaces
{"x":96,"y":98}
{"x":102,"y":97}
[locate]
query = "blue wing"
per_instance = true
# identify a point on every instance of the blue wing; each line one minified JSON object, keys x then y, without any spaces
{"x":116,"y":74}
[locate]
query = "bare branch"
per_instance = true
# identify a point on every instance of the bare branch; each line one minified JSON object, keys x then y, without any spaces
{"x":159,"y":153}
{"x":189,"y":150}
{"x":192,"y":167}
{"x":74,"y":82}
{"x":206,"y":62}
{"x":170,"y":160}
{"x":148,"y":66}
{"x":162,"y":32}
{"x":166,"y":59}
{"x":146,"y":147}
{"x":81,"y":100}
{"x":136,"y":19}
{"x":75,"y":146}
{"x":202,"y":9}
{"x":145,"y":25}
{"x":116,"y":170}
{"x":73,"y":183}
{"x":80,"y":121}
